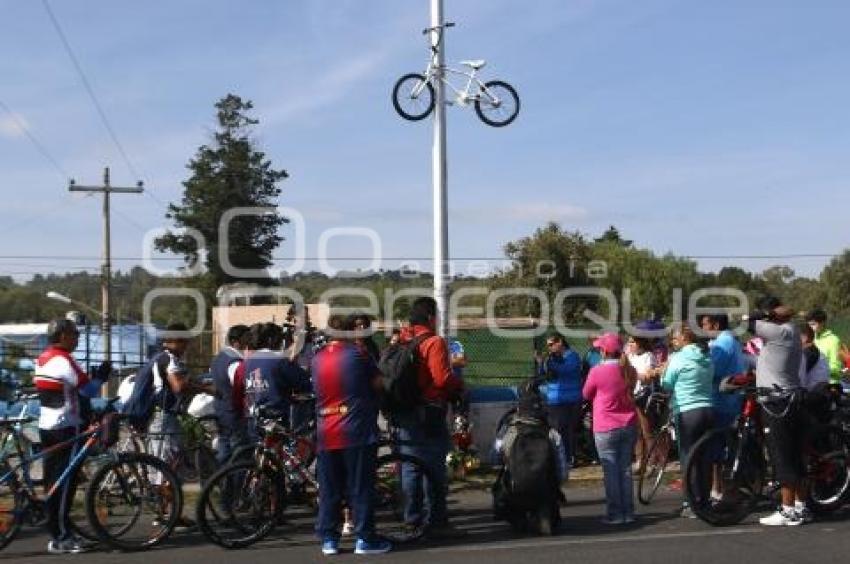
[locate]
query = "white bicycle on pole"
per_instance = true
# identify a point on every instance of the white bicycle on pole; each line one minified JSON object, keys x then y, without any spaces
{"x":496,"y":102}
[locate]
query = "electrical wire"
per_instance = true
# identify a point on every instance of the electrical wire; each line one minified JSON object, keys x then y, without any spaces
{"x":88,"y":87}
{"x":40,"y":147}
{"x":500,"y":259}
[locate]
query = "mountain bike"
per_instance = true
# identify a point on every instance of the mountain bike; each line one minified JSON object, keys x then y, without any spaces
{"x":729,"y":470}
{"x":121,"y":482}
{"x":19,"y":449}
{"x":496,"y":102}
{"x":244,"y":501}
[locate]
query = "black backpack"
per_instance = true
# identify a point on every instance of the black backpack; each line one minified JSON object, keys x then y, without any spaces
{"x":530,"y":463}
{"x":399,"y":366}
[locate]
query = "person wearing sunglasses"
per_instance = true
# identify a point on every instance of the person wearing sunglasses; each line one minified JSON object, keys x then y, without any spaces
{"x":561,"y":370}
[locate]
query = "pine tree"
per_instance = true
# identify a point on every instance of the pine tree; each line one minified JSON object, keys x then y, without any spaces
{"x":228,"y":173}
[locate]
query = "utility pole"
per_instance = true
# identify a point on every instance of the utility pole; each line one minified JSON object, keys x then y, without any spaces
{"x":440,"y":173}
{"x":106,"y":275}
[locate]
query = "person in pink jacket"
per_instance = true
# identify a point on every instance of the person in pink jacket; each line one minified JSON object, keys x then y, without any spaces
{"x":608,"y":388}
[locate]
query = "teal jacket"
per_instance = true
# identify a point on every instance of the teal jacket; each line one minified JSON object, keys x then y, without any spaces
{"x":689,"y":376}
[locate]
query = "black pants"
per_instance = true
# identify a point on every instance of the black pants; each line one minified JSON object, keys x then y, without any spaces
{"x":564,"y":417}
{"x":59,"y":504}
{"x":691,"y":425}
{"x":785,"y":441}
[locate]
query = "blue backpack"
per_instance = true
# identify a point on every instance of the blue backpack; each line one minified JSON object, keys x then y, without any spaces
{"x":139,"y":407}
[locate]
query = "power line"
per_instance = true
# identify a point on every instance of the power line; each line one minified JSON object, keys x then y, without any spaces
{"x":90,"y":90}
{"x":40,"y":147}
{"x":500,"y":259}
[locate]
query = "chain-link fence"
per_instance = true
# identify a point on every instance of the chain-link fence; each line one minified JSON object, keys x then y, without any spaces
{"x":505,"y":358}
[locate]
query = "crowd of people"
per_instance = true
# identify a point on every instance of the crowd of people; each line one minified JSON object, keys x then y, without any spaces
{"x":266,"y":364}
{"x":262,"y":367}
{"x":785,"y":356}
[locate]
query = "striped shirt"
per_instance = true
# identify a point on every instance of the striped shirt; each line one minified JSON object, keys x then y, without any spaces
{"x":58,"y":379}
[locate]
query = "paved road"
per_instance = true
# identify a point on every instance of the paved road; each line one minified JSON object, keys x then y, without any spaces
{"x":660,"y":536}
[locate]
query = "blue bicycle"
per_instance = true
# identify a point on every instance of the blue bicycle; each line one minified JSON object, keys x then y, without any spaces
{"x":132,"y":501}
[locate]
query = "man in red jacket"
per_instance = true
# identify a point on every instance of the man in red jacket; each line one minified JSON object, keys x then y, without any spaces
{"x":424,"y":431}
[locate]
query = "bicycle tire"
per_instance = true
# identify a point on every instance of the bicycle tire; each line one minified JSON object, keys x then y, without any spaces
{"x":654,"y":465}
{"x":11,"y":507}
{"x":390,"y":498}
{"x":401,"y":88}
{"x":78,"y":517}
{"x":828,"y":473}
{"x":741,"y":469}
{"x":251,"y":489}
{"x":158,"y":490}
{"x":508,"y":95}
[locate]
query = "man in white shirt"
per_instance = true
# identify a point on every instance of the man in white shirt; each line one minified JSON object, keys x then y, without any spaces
{"x":60,"y":381}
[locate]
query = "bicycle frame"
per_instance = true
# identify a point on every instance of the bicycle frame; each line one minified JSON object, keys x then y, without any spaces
{"x":90,"y":437}
{"x":436,"y":72}
{"x":462,"y":96}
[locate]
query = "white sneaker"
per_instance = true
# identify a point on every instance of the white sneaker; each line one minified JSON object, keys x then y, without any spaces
{"x":781,"y":519}
{"x":347,"y":529}
{"x":67,"y":546}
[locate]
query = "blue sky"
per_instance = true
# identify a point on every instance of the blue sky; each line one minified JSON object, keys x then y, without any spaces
{"x":701,"y":128}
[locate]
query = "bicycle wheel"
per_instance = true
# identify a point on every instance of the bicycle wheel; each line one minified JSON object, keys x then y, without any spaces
{"x":724,"y":476}
{"x":497,"y":104}
{"x":78,"y":514}
{"x":133,"y":502}
{"x":654,"y":466}
{"x":11,"y":506}
{"x":828,"y":471}
{"x":240,"y":504}
{"x":413,"y":97}
{"x":391,"y":500}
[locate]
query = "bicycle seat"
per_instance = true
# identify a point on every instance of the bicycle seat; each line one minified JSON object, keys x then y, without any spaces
{"x":474,"y":64}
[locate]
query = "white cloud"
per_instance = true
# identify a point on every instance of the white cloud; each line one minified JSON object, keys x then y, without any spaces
{"x":12,"y":125}
{"x":327,"y":89}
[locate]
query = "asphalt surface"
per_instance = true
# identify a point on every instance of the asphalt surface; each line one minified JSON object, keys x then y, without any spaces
{"x":659,"y":536}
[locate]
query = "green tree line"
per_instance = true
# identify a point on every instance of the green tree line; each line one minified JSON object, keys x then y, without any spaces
{"x":548,"y":260}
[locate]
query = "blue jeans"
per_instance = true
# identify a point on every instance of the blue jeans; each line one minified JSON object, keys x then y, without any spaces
{"x":230,"y":439}
{"x":615,"y":449}
{"x":429,"y":441}
{"x":347,"y":474}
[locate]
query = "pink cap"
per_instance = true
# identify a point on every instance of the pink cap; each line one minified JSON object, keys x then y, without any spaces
{"x":609,"y":343}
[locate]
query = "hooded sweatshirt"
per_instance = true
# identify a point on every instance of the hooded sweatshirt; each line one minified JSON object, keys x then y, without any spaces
{"x":689,"y":376}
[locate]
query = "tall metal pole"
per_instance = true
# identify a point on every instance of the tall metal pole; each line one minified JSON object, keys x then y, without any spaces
{"x":106,"y":277}
{"x":440,"y":173}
